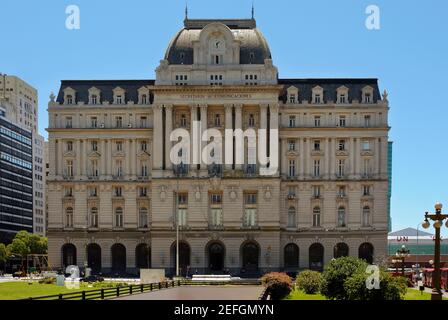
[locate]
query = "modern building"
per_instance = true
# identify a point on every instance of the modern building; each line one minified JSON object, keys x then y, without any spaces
{"x":16,"y":178}
{"x":116,"y":197}
{"x":420,"y":245}
{"x":21,"y":108}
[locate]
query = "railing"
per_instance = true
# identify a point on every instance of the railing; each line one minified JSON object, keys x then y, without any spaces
{"x":113,"y":292}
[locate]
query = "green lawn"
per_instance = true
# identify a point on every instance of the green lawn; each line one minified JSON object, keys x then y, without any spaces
{"x":22,"y":290}
{"x":411,"y":294}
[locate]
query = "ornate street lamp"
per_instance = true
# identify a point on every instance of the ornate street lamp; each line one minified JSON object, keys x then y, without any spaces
{"x":401,"y":255}
{"x":438,"y":218}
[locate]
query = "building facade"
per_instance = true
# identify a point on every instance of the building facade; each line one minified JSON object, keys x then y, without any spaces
{"x":21,"y":108}
{"x":116,"y":198}
{"x":16,"y":179}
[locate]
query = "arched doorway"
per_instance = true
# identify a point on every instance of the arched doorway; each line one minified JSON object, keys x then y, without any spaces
{"x":250,"y":252}
{"x":216,"y":254}
{"x":118,"y":258}
{"x":340,"y":250}
{"x":291,"y":256}
{"x":316,"y":256}
{"x":184,"y":258}
{"x":94,"y":257}
{"x":143,"y":256}
{"x":68,"y":255}
{"x":366,"y":252}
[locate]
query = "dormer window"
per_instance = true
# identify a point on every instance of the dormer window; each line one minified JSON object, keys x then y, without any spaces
{"x":317,"y":98}
{"x":293,"y":95}
{"x":143,"y":95}
{"x":342,"y":95}
{"x":318,"y":95}
{"x":119,"y":95}
{"x":69,"y":99}
{"x":144,"y":99}
{"x":292,"y":98}
{"x":119,"y":99}
{"x":69,"y":96}
{"x":367,"y":94}
{"x":342,"y":98}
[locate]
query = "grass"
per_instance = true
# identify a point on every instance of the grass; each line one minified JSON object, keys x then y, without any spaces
{"x":22,"y":289}
{"x":411,"y":294}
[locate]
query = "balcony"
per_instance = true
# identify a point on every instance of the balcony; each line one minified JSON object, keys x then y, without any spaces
{"x":181,"y":170}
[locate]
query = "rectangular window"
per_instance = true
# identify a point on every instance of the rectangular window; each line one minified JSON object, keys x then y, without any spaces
{"x":250,"y":198}
{"x":316,"y":145}
{"x":94,"y":145}
{"x":366,"y":145}
{"x":93,"y":122}
{"x":341,"y":146}
{"x":68,"y":122}
{"x":366,"y":190}
{"x":119,"y":146}
{"x":342,"y":121}
{"x":341,"y":168}
{"x":118,"y":122}
{"x":143,"y":122}
{"x":317,"y":121}
{"x":367,"y":121}
{"x":291,"y":145}
{"x":292,"y":121}
{"x":69,"y":146}
{"x":118,"y":191}
{"x":316,"y":191}
{"x":316,"y":168}
{"x":292,"y":98}
{"x":292,"y":168}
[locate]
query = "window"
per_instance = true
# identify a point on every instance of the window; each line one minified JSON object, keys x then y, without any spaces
{"x":69,"y":99}
{"x":69,"y":217}
{"x":216,"y":199}
{"x":291,"y":145}
{"x":68,"y":122}
{"x":292,"y":98}
{"x":69,"y":146}
{"x":119,"y":99}
{"x":217,"y":120}
{"x":143,"y":218}
{"x":143,"y":122}
{"x":341,"y":146}
{"x":317,"y":121}
{"x":366,"y":216}
{"x":182,"y":199}
{"x":292,"y":121}
{"x":216,"y":209}
{"x":367,"y":121}
{"x":143,"y":145}
{"x":366,"y":167}
{"x":182,"y":217}
{"x":183,"y":121}
{"x":144,"y":99}
{"x":118,"y":122}
{"x":119,"y":166}
{"x":250,"y":210}
{"x":144,"y":169}
{"x":317,"y":98}
{"x":316,"y":217}
{"x":292,"y":168}
{"x":316,"y":191}
{"x":342,"y":121}
{"x":367,"y":97}
{"x":366,"y":145}
{"x":366,"y":190}
{"x":341,"y":191}
{"x":93,"y":191}
{"x":182,"y":207}
{"x":94,"y":145}
{"x":251,"y":123}
{"x":292,"y":217}
{"x":118,"y":221}
{"x":341,"y":217}
{"x":119,"y":146}
{"x":342,"y":98}
{"x":94,"y":218}
{"x":69,"y":168}
{"x":316,"y":145}
{"x":341,"y":168}
{"x":251,"y":198}
{"x":94,"y":99}
{"x":118,"y":191}
{"x":93,"y":122}
{"x":316,"y":168}
{"x":142,"y":191}
{"x":69,"y":192}
{"x":216,"y":79}
{"x":94,"y":168}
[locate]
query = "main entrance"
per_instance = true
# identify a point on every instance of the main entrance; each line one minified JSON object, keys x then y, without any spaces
{"x":216,"y":257}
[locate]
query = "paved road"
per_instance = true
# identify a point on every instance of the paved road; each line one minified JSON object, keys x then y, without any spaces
{"x":201,"y":293}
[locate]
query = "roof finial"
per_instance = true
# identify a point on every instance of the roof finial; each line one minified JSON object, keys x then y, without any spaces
{"x":186,"y":10}
{"x":253,"y":10}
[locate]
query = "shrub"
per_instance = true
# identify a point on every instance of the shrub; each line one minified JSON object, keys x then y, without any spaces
{"x":278,"y":284}
{"x":391,"y":288}
{"x":309,"y":281}
{"x":336,"y":273}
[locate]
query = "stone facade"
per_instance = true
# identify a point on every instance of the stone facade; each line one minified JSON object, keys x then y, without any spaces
{"x":114,"y":193}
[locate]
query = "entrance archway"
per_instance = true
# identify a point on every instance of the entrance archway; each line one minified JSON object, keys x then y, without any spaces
{"x":94,"y":257}
{"x":184,"y":257}
{"x":291,"y":256}
{"x":316,"y":256}
{"x":250,"y":252}
{"x":118,"y":258}
{"x":216,"y":255}
{"x":340,"y":250}
{"x":68,"y":255}
{"x":366,"y":252}
{"x":143,"y":256}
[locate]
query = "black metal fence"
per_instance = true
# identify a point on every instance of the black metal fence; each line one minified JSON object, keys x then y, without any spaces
{"x":113,"y":292}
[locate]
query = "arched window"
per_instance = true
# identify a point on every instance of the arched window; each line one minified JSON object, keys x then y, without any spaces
{"x":69,"y":217}
{"x":143,"y":256}
{"x":292,"y":217}
{"x":118,"y":253}
{"x":316,"y":217}
{"x":94,"y":257}
{"x":118,"y":217}
{"x":68,"y":255}
{"x":366,"y":216}
{"x":291,"y":256}
{"x":340,"y":250}
{"x":341,"y":217}
{"x":143,"y":218}
{"x":316,"y":256}
{"x":365,"y":252}
{"x":94,"y":218}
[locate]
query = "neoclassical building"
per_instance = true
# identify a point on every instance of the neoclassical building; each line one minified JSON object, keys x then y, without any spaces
{"x":114,"y":193}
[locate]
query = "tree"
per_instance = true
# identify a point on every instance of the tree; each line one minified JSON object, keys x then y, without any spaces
{"x":19,"y":248}
{"x":4,"y":254}
{"x":336,"y":273}
{"x":38,"y":244}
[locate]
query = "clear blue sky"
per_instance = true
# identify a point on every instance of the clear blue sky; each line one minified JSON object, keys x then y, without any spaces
{"x":318,"y":38}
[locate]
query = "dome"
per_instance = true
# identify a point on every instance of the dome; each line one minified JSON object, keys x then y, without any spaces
{"x":253,"y":46}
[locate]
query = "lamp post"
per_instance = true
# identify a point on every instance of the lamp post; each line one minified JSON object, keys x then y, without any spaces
{"x":401,"y":255}
{"x":438,"y":217}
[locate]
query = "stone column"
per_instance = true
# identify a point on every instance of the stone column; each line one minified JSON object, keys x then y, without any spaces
{"x":128,"y":159}
{"x":158,"y":131}
{"x":301,"y":159}
{"x":60,"y":168}
{"x":78,"y":159}
{"x":204,"y":118}
{"x":357,"y":155}
{"x":52,"y":157}
{"x":103,"y":170}
{"x":327,"y":156}
{"x":193,"y":136}
{"x":351,"y":170}
{"x":168,"y":130}
{"x":85,"y":158}
{"x":228,"y":125}
{"x":238,"y":125}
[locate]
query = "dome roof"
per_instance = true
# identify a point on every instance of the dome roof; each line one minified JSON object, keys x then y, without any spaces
{"x":253,"y":46}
